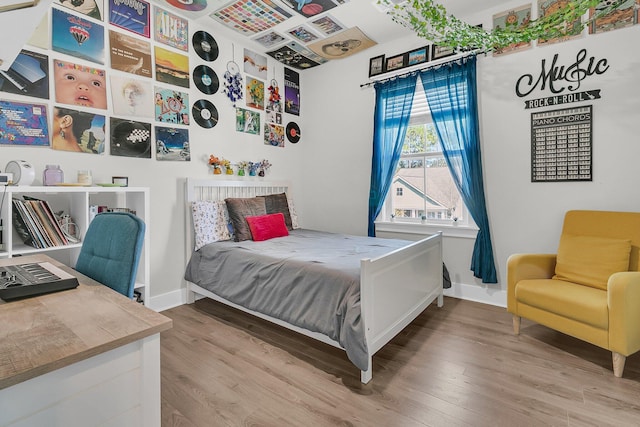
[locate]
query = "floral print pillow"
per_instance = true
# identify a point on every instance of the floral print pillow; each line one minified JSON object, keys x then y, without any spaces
{"x":210,"y":222}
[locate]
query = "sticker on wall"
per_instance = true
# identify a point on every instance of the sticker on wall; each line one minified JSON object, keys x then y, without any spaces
{"x":172,"y":144}
{"x":130,"y":139}
{"x":75,"y":36}
{"x":205,"y":46}
{"x":205,"y":113}
{"x":206,"y":79}
{"x":78,"y":131}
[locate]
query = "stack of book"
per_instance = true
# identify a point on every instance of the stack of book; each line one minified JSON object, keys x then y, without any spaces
{"x":36,"y":223}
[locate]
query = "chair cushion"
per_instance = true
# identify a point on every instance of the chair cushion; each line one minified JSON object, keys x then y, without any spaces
{"x":591,"y":260}
{"x":583,"y":304}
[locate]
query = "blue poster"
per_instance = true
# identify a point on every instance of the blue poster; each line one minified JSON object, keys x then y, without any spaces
{"x":76,"y":36}
{"x":23,"y":124}
{"x":132,"y":15}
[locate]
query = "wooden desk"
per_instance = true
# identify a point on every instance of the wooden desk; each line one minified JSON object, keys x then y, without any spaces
{"x":81,"y":357}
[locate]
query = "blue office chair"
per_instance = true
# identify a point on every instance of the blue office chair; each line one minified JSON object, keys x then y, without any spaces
{"x":111,"y":250}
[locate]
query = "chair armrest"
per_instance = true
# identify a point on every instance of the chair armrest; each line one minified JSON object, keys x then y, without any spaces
{"x":527,"y":266}
{"x":623,"y":298}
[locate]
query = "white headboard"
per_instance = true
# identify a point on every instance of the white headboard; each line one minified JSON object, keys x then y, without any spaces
{"x":220,"y":189}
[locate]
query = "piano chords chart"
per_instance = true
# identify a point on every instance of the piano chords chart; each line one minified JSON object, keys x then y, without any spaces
{"x":561,"y":145}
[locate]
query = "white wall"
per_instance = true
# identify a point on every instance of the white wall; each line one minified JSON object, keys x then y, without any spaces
{"x":524,"y":216}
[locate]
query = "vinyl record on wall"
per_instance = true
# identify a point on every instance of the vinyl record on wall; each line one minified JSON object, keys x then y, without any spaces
{"x":293,"y":132}
{"x":205,"y":45}
{"x":206,"y":79}
{"x":204,"y":113}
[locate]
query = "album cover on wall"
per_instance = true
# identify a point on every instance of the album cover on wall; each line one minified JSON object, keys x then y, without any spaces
{"x":171,"y":106}
{"x":171,"y":67}
{"x":131,"y":97}
{"x":130,"y":54}
{"x":130,"y":139}
{"x":172,"y":144}
{"x":76,"y":36}
{"x":171,"y":29}
{"x":79,"y":85}
{"x":131,"y":16}
{"x":624,"y":15}
{"x":512,"y":19}
{"x":23,"y":124}
{"x":91,"y":8}
{"x":28,"y":75}
{"x":77,"y":131}
{"x":309,"y":8}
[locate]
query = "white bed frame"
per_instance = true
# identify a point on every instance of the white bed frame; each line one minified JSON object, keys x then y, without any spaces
{"x":394,"y":288}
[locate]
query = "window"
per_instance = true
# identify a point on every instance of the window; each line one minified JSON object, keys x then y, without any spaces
{"x":422,"y":177}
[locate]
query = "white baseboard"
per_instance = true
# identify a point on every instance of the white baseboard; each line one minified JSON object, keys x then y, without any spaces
{"x":168,"y":300}
{"x":485,"y":295}
{"x":482,"y":294}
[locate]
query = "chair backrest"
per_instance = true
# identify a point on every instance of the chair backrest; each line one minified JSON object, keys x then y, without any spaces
{"x":111,"y":250}
{"x":615,"y":225}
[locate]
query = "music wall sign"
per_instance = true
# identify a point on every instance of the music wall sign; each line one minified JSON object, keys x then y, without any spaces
{"x":561,"y":140}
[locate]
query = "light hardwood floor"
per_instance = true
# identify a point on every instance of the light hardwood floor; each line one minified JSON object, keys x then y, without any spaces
{"x":459,"y":365}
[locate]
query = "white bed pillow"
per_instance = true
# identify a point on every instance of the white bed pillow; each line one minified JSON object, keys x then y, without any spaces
{"x":210,"y":222}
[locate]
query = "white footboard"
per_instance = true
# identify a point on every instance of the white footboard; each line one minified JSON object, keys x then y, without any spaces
{"x":395,"y":288}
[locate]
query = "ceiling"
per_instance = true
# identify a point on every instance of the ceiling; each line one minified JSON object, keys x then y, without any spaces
{"x":366,"y":15}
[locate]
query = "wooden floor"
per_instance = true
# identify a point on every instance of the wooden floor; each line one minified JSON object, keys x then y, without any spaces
{"x":459,"y":365}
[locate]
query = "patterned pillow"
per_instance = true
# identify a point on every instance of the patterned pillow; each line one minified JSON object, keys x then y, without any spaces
{"x":210,"y":222}
{"x":293,"y":214}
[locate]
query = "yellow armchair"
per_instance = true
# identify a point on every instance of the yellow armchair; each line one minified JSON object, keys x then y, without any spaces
{"x":590,"y":289}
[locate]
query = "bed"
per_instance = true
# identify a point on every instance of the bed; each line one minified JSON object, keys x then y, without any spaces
{"x":382,"y":285}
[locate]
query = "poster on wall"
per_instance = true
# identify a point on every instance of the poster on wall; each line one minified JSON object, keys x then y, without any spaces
{"x":131,"y":97}
{"x":255,"y":64}
{"x":251,"y":16}
{"x":28,"y":75}
{"x":171,"y":67}
{"x":303,"y":34}
{"x":76,"y":36}
{"x":23,"y":124}
{"x":91,"y":8}
{"x":77,"y":131}
{"x":273,"y":135}
{"x":561,"y":145}
{"x":41,"y":36}
{"x":255,"y":93}
{"x":309,"y":8}
{"x":327,"y":25}
{"x":130,"y":138}
{"x":291,"y":92}
{"x":79,"y":85}
{"x":129,"y":54}
{"x":342,"y":44}
{"x":172,"y":144}
{"x":270,"y":39}
{"x":624,"y":15}
{"x":132,"y":16}
{"x":171,"y":29}
{"x":171,"y":106}
{"x":512,"y":19}
{"x":247,"y":121}
{"x":571,"y":30}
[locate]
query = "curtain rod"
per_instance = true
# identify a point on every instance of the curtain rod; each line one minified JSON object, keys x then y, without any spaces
{"x":427,"y":67}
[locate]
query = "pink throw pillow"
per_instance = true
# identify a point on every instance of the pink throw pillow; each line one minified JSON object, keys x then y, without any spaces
{"x":265,"y":227}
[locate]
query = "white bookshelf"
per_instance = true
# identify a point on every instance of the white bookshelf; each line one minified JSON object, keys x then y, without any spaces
{"x":76,"y":201}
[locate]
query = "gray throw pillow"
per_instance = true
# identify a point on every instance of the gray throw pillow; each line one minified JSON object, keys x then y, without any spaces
{"x":239,"y":208}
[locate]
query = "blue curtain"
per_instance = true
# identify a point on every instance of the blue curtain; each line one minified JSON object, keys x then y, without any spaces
{"x":391,"y":118}
{"x":452,"y":98}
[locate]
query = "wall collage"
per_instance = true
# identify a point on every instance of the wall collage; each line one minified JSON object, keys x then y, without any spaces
{"x":137,"y":41}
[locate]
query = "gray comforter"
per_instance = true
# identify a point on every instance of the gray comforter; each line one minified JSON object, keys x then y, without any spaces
{"x":310,"y":279}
